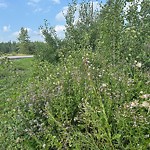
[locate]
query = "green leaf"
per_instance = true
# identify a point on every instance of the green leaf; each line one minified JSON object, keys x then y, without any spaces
{"x":129,"y":0}
{"x":116,"y":136}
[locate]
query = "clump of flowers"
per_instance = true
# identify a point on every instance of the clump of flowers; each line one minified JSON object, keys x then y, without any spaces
{"x":145,"y":96}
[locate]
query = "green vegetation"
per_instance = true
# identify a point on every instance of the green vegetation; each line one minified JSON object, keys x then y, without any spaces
{"x":87,"y":91}
{"x":24,"y":45}
{"x":8,"y":47}
{"x":14,"y":71}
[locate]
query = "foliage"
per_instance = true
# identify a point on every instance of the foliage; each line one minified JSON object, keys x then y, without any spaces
{"x":24,"y":45}
{"x":96,"y":96}
{"x":86,"y":24}
{"x":8,"y":47}
{"x":13,"y":74}
{"x":48,"y":51}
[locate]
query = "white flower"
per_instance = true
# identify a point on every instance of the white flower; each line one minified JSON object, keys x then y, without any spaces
{"x":89,"y":74}
{"x":145,"y":104}
{"x":141,"y":92}
{"x":104,"y":85}
{"x":145,"y":96}
{"x":134,"y":104}
{"x":18,"y":140}
{"x":138,"y":65}
{"x":100,"y":75}
{"x":44,"y":145}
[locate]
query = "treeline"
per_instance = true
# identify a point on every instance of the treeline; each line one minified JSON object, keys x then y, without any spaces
{"x":23,"y":44}
{"x":8,"y":47}
{"x":15,"y":47}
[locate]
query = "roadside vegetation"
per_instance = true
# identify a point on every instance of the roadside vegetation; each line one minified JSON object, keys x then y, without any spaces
{"x":88,"y":91}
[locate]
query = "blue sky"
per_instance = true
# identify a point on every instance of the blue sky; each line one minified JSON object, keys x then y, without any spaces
{"x":30,"y":14}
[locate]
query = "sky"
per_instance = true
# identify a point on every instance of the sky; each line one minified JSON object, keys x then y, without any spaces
{"x":30,"y":14}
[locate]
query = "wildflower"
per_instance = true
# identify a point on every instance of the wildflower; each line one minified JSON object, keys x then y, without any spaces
{"x":138,"y":65}
{"x":89,"y":74}
{"x":44,"y":145}
{"x":145,"y":96}
{"x":134,"y":104}
{"x":145,"y":104}
{"x":141,"y":92}
{"x":135,"y":125}
{"x":147,"y":136}
{"x":100,"y":75}
{"x":104,"y":85}
{"x":18,"y":140}
{"x":135,"y":61}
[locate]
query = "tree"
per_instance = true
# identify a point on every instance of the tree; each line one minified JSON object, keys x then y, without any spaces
{"x":49,"y":49}
{"x":24,"y":42}
{"x":84,"y":22}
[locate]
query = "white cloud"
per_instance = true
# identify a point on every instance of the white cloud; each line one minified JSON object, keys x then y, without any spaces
{"x":37,"y":6}
{"x":3,"y":5}
{"x":56,"y":1}
{"x":6,"y":28}
{"x":37,"y":10}
{"x":61,"y":14}
{"x":31,"y":4}
{"x":60,"y":30}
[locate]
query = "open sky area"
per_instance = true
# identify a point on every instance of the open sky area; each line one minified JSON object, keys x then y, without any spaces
{"x":30,"y":14}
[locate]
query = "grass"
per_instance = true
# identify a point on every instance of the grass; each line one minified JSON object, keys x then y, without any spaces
{"x":13,"y":74}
